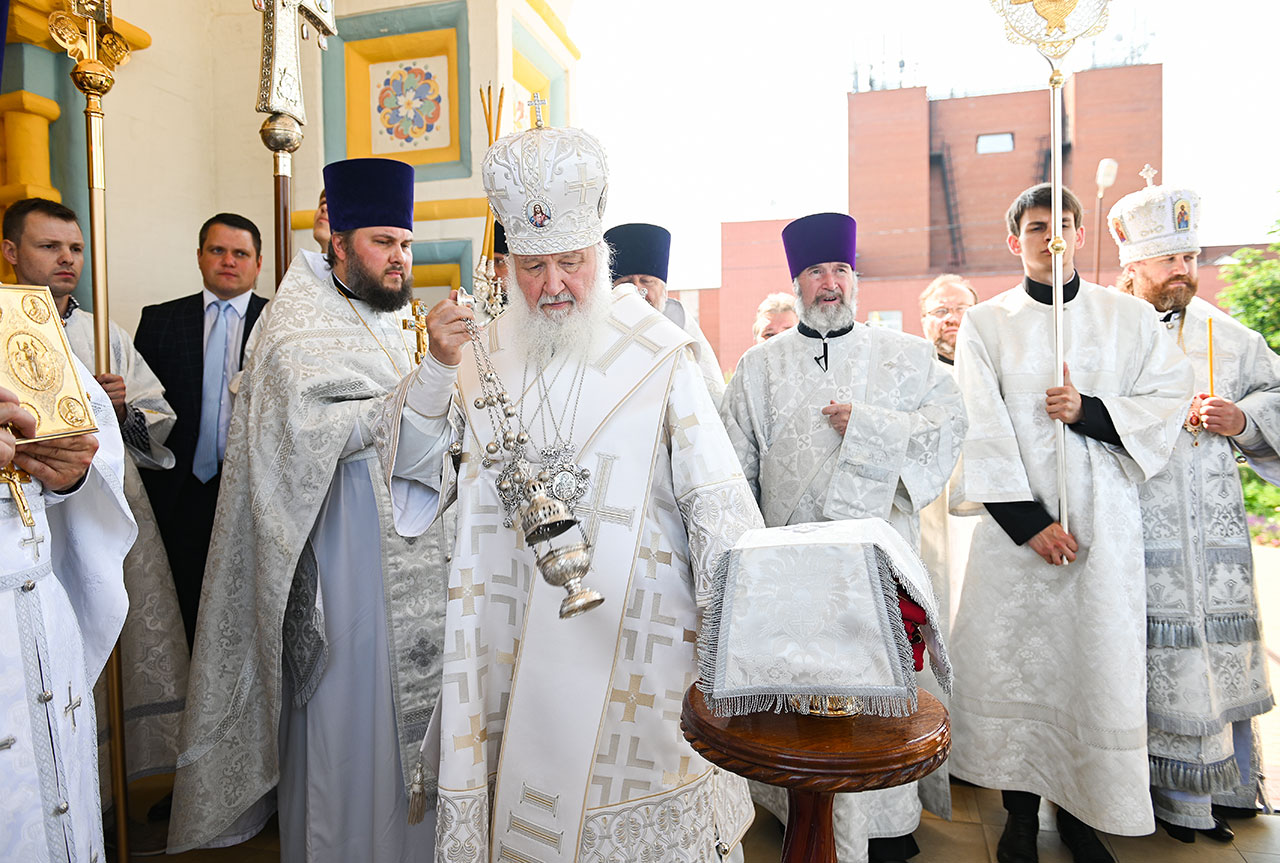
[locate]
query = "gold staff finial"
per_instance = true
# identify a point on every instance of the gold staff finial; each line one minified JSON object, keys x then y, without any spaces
{"x":1148,"y":173}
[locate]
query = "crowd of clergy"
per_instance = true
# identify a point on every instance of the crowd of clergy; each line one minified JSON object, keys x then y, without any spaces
{"x":309,"y":542}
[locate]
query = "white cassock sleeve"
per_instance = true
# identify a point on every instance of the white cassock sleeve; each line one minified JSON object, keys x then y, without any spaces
{"x":1260,"y":440}
{"x":898,"y":458}
{"x":419,"y":469}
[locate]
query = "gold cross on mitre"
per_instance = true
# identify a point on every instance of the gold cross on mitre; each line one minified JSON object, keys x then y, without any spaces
{"x":418,"y":323}
{"x":536,"y":104}
{"x":280,"y":83}
{"x":1148,"y":173}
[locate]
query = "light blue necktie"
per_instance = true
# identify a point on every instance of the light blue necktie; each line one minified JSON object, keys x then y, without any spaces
{"x":205,"y":464}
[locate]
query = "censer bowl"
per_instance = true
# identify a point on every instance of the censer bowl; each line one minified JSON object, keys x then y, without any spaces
{"x":565,"y":567}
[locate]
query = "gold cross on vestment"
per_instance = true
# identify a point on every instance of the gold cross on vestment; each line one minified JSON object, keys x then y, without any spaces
{"x":72,"y":706}
{"x":1148,"y":173}
{"x":280,"y":77}
{"x":418,"y":324}
{"x":474,"y":740}
{"x":467,"y":592}
{"x":681,"y":776}
{"x":654,"y":555}
{"x":632,"y":697}
{"x":536,"y":104}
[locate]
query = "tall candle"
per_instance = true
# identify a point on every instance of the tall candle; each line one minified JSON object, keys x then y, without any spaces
{"x":1211,"y":356}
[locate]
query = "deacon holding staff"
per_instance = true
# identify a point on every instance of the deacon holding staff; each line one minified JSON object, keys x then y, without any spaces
{"x":1049,"y":639}
{"x":1206,"y":663}
{"x":582,"y":408}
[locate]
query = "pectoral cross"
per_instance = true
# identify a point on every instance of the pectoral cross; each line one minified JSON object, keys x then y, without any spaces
{"x":280,"y":82}
{"x":419,"y":327}
{"x":72,"y":706}
{"x":14,"y":478}
{"x":536,"y":104}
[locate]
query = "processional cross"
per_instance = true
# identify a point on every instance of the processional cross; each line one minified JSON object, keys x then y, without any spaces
{"x":280,"y":95}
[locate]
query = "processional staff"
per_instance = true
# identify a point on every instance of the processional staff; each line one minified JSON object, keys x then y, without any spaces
{"x":87,"y":34}
{"x":280,"y":96}
{"x":1053,"y":26}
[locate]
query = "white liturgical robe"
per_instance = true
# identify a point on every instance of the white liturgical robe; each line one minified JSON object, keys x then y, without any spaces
{"x":1050,"y":679}
{"x":62,"y":602}
{"x":559,"y":739}
{"x":904,"y":433}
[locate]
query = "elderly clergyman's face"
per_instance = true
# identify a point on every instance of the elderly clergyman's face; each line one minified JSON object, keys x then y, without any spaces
{"x":1167,"y":282}
{"x":554,"y":285}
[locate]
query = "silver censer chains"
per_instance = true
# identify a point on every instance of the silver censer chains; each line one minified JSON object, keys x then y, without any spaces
{"x":542,"y":500}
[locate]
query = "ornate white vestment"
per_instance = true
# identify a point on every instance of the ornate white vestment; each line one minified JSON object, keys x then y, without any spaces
{"x":1206,"y":663}
{"x":311,"y":596}
{"x":1049,"y":661}
{"x":153,"y":650}
{"x":62,"y":603}
{"x":902,"y":441}
{"x":559,"y":739}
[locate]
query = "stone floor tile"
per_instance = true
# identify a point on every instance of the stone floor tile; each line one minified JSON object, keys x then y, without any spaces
{"x":1260,"y":857}
{"x":1048,"y":845}
{"x":950,"y":842}
{"x":1163,"y":848}
{"x":1257,"y":834}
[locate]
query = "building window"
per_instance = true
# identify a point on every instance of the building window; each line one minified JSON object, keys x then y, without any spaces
{"x":890,"y":320}
{"x":1000,"y":142}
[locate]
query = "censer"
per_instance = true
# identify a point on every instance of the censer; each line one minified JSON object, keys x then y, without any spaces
{"x":543,"y":517}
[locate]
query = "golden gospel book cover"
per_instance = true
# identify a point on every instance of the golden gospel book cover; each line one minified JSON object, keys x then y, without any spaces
{"x":36,"y":363}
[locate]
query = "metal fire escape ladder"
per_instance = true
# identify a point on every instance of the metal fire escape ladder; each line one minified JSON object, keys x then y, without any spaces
{"x":952,"y":201}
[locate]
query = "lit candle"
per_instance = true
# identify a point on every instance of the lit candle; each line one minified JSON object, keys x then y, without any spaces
{"x":1210,"y":356}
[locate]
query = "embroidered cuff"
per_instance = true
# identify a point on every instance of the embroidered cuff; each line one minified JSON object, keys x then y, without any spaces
{"x":134,"y":430}
{"x":1251,"y":438}
{"x":432,"y":388}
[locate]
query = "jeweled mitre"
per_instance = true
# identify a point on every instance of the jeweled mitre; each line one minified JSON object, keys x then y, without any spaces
{"x":547,"y":187}
{"x":1155,"y":221}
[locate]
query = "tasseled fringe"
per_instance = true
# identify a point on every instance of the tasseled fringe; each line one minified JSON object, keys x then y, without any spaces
{"x":874,"y":705}
{"x":709,"y":639}
{"x":939,"y":663}
{"x":889,"y":586}
{"x":1233,"y":628}
{"x":418,"y":795}
{"x":1213,"y":778}
{"x":1171,"y":633}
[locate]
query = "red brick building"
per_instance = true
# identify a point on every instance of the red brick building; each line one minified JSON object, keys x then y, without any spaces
{"x":929,"y":183}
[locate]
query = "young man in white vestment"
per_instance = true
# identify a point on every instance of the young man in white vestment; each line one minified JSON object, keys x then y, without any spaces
{"x":641,"y":257}
{"x":62,"y":603}
{"x":1206,"y":663}
{"x":834,"y":420}
{"x":44,"y":245}
{"x":558,"y":739}
{"x":1049,"y":640}
{"x":317,"y":656}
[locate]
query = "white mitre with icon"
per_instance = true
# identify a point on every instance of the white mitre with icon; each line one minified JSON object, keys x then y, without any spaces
{"x":547,"y":187}
{"x":1155,"y":221}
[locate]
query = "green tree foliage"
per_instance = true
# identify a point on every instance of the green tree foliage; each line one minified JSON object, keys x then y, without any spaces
{"x":1252,"y":294}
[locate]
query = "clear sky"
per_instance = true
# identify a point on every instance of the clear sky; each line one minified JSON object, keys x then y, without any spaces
{"x":735,"y":110}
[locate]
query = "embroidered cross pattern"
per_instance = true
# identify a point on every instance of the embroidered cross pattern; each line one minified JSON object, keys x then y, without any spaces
{"x":630,"y":335}
{"x":474,"y":741}
{"x":33,"y":540}
{"x":467,"y":592}
{"x":632,"y":698}
{"x":582,"y":185}
{"x":72,"y":706}
{"x":592,"y":510}
{"x":654,"y":555}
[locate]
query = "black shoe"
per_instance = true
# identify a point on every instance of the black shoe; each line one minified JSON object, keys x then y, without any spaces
{"x":1018,"y":841}
{"x":1220,"y":831}
{"x":162,"y":808}
{"x":1234,"y":813}
{"x":1177,"y":831}
{"x":1081,"y":840}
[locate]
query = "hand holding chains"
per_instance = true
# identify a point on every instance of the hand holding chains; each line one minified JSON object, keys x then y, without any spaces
{"x":542,"y":500}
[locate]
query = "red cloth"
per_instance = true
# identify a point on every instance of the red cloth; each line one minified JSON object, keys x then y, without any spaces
{"x":913,"y":617}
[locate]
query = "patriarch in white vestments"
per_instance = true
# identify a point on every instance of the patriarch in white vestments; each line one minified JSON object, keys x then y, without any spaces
{"x":1049,"y":640}
{"x":557,"y":738}
{"x":835,"y":419}
{"x":642,"y":257}
{"x":318,"y":647}
{"x":1206,"y":663}
{"x":62,"y":603}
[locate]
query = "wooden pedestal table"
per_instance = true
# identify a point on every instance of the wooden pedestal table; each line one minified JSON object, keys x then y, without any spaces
{"x":814,"y":757}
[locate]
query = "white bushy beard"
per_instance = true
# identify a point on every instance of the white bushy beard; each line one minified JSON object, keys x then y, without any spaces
{"x":543,"y":335}
{"x":823,"y":319}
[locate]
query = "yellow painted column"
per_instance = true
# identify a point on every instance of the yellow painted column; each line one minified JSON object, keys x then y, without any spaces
{"x":26,"y":119}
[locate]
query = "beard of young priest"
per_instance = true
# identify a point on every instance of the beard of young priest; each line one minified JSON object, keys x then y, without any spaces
{"x":318,"y":645}
{"x":583,"y":712}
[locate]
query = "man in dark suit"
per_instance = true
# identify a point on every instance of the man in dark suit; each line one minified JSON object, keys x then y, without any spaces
{"x":195,"y":345}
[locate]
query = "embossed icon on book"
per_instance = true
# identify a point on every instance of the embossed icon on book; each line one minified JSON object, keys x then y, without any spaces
{"x":72,"y":411}
{"x":36,"y":308}
{"x":29,"y":408}
{"x":31,"y":361}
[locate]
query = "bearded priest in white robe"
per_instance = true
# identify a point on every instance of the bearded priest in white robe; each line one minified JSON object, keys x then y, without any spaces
{"x":317,"y":655}
{"x":62,"y":603}
{"x":1206,"y":663}
{"x":1049,"y":641}
{"x":831,"y":420}
{"x":558,"y":739}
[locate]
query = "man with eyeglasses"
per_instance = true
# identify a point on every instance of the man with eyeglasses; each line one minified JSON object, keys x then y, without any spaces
{"x":942,"y":306}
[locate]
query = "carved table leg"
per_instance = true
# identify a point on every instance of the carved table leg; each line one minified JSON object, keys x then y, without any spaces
{"x":809,"y":837}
